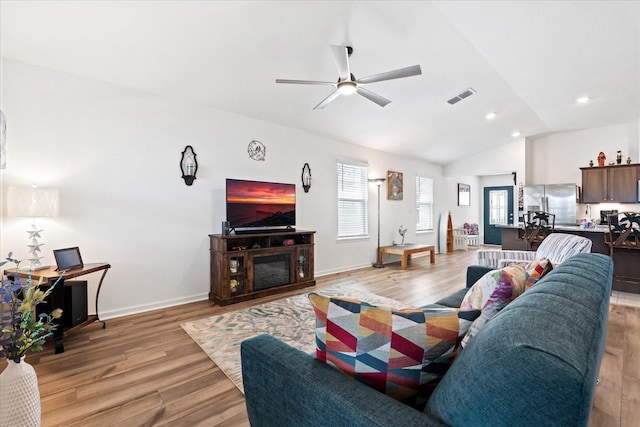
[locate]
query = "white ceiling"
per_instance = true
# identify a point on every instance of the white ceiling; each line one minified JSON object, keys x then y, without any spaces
{"x":528,"y":62}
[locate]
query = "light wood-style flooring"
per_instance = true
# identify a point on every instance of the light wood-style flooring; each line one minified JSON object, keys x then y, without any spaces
{"x":144,"y":370}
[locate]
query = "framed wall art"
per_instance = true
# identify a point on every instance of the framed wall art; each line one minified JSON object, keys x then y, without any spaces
{"x":394,"y":185}
{"x":464,"y":195}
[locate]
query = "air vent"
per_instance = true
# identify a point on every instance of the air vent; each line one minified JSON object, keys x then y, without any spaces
{"x":465,"y":94}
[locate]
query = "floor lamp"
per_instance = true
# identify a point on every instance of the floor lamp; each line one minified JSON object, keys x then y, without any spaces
{"x":33,"y":202}
{"x":378,"y":263}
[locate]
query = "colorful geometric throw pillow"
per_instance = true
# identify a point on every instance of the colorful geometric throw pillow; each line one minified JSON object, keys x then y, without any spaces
{"x":397,"y":352}
{"x":490,"y":294}
{"x":535,"y":270}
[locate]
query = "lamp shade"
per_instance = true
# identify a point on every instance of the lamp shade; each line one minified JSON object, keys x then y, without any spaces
{"x":32,"y":202}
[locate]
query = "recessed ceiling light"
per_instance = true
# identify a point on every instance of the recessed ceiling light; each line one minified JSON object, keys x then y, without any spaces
{"x":491,"y":116}
{"x":583,"y":100}
{"x":515,"y":134}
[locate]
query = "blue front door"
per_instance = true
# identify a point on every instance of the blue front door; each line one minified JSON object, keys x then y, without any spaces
{"x":498,"y":209}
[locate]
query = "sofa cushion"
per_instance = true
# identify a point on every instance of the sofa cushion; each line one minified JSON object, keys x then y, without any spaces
{"x":396,"y":351}
{"x":454,"y":300}
{"x":474,"y":273}
{"x":491,"y":294}
{"x":536,"y":269}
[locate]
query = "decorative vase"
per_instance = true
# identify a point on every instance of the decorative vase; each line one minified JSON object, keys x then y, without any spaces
{"x":19,"y":395}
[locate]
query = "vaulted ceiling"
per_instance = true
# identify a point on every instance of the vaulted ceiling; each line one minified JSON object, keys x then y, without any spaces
{"x":527,"y":61}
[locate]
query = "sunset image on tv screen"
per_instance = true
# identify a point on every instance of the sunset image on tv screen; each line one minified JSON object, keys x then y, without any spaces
{"x":260,"y":204}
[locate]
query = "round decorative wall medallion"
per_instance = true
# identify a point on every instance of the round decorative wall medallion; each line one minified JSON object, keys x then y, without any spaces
{"x":257,"y":150}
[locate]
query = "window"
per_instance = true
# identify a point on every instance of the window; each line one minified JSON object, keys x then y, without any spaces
{"x":353,"y":215}
{"x":498,"y":207}
{"x":424,"y":204}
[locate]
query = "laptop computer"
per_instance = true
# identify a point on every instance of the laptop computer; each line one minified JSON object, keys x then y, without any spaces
{"x":68,"y":258}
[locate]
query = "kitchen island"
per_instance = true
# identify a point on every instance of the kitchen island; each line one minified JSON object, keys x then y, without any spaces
{"x":626,"y":263}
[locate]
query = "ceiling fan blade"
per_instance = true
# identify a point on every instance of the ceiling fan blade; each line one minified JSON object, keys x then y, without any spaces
{"x":342,"y":61}
{"x":305,"y":82}
{"x":327,"y":100}
{"x":381,"y":101}
{"x":390,"y":75}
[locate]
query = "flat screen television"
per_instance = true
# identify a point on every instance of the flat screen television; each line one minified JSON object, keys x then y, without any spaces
{"x":260,"y":206}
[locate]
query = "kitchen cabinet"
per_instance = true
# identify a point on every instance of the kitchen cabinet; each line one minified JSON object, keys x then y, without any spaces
{"x":617,"y":183}
{"x":513,"y":239}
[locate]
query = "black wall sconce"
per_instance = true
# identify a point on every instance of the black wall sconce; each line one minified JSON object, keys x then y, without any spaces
{"x":306,"y":177}
{"x":188,"y":165}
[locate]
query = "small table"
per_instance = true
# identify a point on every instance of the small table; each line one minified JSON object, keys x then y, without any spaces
{"x":405,"y":251}
{"x":49,"y":276}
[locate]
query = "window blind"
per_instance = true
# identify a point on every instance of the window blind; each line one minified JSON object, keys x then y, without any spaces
{"x":424,"y":204}
{"x":353,"y":215}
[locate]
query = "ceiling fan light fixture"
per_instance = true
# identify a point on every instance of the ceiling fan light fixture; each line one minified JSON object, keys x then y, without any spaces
{"x":347,"y":84}
{"x":347,"y":88}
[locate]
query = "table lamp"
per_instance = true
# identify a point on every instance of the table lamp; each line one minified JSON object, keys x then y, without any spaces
{"x":35,"y":203}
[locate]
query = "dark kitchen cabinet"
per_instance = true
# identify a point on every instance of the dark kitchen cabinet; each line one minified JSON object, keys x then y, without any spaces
{"x":617,"y":184}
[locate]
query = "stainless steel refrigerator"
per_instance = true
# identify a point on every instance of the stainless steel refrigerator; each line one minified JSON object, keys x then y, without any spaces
{"x":559,"y":199}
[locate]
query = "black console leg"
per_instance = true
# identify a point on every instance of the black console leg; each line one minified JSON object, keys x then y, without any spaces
{"x":57,"y":301}
{"x":104,"y":273}
{"x":58,"y":345}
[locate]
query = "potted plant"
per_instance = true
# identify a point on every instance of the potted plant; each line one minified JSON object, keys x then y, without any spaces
{"x":21,"y":329}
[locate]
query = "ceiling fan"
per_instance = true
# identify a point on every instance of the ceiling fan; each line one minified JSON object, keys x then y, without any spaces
{"x":347,"y":84}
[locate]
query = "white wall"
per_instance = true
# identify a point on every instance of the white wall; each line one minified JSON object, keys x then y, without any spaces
{"x":557,"y":158}
{"x":114,"y":154}
{"x":462,"y":214}
{"x":503,"y":159}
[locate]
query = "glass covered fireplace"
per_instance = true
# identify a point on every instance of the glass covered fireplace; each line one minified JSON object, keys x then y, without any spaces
{"x":270,"y":271}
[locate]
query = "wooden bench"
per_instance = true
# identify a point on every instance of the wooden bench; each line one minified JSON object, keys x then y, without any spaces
{"x":405,"y":251}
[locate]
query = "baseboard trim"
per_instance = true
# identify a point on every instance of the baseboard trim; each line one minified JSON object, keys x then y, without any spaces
{"x":340,"y":270}
{"x":127,"y":311}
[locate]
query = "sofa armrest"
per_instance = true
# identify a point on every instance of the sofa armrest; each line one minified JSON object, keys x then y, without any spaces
{"x":475,"y":272}
{"x":286,"y":387}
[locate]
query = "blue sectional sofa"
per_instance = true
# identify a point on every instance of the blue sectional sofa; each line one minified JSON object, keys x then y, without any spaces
{"x":535,"y":364}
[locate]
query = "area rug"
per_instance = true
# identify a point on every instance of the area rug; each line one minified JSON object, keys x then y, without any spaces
{"x":290,"y":319}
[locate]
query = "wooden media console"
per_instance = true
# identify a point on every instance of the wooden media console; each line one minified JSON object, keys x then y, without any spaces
{"x":246,"y":266}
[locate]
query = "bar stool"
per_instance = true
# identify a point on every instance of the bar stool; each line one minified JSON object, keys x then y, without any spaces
{"x":538,"y":225}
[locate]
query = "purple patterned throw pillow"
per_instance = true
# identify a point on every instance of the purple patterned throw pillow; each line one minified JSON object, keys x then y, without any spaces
{"x":491,"y":294}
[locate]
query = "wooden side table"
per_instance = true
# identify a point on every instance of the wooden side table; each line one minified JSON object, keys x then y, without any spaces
{"x":405,"y":252}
